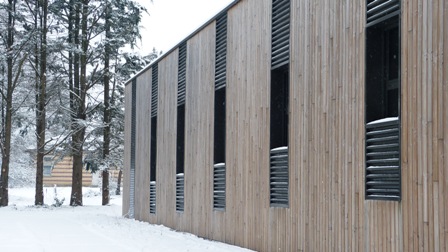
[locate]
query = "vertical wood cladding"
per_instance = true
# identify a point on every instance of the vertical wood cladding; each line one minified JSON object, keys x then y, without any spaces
{"x":327,"y":209}
{"x":127,"y":149}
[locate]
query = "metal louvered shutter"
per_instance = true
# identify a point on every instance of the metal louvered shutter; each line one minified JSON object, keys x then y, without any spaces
{"x":280,"y":33}
{"x":182,"y":74}
{"x":152,"y":197}
{"x":154,"y":89}
{"x":279,"y":177}
{"x":133,"y":138}
{"x":180,"y":192}
{"x":219,"y":186}
{"x":380,"y":10}
{"x":221,"y":52}
{"x":383,"y":173}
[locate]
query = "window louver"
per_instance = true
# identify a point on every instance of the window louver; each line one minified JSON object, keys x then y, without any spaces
{"x":221,"y":52}
{"x":280,"y":33}
{"x":380,"y":10}
{"x":219,"y":186}
{"x":182,"y":74}
{"x":279,"y":182}
{"x":154,"y":90}
{"x":133,"y":138}
{"x":383,"y":160}
{"x":152,"y":197}
{"x":180,"y":192}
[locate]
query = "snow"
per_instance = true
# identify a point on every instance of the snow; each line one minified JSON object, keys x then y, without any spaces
{"x":382,"y":120}
{"x":280,"y":148}
{"x":93,"y":227}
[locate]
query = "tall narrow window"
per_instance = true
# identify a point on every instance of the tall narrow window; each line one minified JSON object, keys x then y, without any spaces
{"x":133,"y":138}
{"x":383,"y":172}
{"x":153,"y":154}
{"x":180,"y":149}
{"x":279,"y":158}
{"x":219,"y":145}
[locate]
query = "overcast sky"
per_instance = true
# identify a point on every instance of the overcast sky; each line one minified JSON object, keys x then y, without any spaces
{"x":170,"y":21}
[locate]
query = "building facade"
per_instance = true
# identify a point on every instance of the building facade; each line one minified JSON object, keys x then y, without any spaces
{"x":298,"y":125}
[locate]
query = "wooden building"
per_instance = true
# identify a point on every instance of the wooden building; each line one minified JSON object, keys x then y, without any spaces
{"x":59,"y":172}
{"x":298,"y":125}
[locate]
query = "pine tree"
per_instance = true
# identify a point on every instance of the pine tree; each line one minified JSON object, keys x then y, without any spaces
{"x":15,"y":59}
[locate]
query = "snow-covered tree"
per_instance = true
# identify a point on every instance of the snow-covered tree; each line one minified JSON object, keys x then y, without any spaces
{"x":14,"y":50}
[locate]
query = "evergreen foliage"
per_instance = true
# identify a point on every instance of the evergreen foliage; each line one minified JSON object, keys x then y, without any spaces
{"x":60,"y":54}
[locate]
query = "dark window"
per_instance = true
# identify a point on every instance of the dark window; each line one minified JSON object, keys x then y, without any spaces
{"x":153,"y":158}
{"x":279,"y":172}
{"x":383,"y":173}
{"x":219,"y":145}
{"x":220,"y":126}
{"x":279,"y":106}
{"x":279,"y":124}
{"x":180,"y":143}
{"x":154,"y":101}
{"x":153,"y":150}
{"x":180,"y":139}
{"x":219,"y":167}
{"x":382,"y":70}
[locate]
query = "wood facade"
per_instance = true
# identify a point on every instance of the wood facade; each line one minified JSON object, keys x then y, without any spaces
{"x":327,"y":208}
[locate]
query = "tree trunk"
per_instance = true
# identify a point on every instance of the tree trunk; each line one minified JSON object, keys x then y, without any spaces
{"x":118,"y":191}
{"x":77,"y":104}
{"x":107,"y":115}
{"x":105,"y":193}
{"x":41,"y":110}
{"x":76,"y":195}
{"x":6,"y":148}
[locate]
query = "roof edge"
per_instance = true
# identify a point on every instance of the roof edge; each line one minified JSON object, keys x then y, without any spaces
{"x":182,"y":41}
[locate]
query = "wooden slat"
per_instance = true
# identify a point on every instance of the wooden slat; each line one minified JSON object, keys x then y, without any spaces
{"x":142,"y":148}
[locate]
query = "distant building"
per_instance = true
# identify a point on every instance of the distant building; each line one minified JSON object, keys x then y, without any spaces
{"x":298,"y":125}
{"x":59,"y":172}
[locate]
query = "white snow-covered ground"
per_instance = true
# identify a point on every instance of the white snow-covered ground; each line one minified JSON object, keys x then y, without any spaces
{"x":92,"y":227}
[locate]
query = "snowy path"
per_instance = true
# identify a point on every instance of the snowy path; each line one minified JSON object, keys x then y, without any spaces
{"x":88,"y":228}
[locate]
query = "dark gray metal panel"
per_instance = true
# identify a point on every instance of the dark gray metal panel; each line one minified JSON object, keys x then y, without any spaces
{"x":133,"y":138}
{"x":154,"y":89}
{"x":280,"y":33}
{"x":219,"y":186}
{"x":221,"y":51}
{"x":182,"y":70}
{"x":383,"y":172}
{"x":152,"y":197}
{"x":380,"y":10}
{"x":279,"y":177}
{"x":180,"y":192}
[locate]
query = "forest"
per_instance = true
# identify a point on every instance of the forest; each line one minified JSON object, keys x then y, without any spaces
{"x":63,"y":64}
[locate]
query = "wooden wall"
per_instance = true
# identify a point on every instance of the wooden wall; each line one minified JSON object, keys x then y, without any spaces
{"x":166,"y":143}
{"x":142,"y":147}
{"x":327,"y":129}
{"x":248,"y":78}
{"x":327,"y":210}
{"x":425,"y":125}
